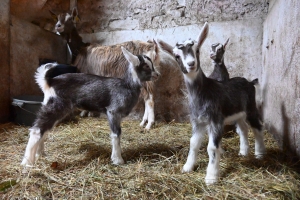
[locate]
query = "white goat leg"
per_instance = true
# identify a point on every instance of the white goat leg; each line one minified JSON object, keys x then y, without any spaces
{"x":260,"y":148}
{"x":31,"y":148}
{"x":242,"y":130}
{"x":116,"y":150}
{"x":41,"y":147}
{"x":151,"y":116}
{"x":195,"y":144}
{"x":83,"y":113}
{"x":145,"y":117}
{"x":213,"y":168}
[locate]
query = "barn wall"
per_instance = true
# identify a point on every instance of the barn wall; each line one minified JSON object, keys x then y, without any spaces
{"x":281,"y":72}
{"x":29,"y":43}
{"x":177,"y":20}
{"x":4,"y":60}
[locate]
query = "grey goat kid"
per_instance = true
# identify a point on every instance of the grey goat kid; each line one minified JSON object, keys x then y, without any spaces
{"x":217,"y":52}
{"x":214,"y":104}
{"x":66,"y":92}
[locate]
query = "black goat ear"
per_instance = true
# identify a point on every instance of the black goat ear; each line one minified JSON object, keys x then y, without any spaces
{"x":75,"y":17}
{"x":225,"y":44}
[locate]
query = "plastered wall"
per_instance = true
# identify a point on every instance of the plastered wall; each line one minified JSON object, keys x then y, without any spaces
{"x":281,"y":73}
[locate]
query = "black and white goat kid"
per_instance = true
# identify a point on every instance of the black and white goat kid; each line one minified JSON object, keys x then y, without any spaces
{"x":214,"y":104}
{"x":64,"y":93}
{"x":217,"y":52}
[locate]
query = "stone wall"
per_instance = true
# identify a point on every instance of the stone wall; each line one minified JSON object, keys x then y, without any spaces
{"x":113,"y":15}
{"x":281,"y":73}
{"x":115,"y":21}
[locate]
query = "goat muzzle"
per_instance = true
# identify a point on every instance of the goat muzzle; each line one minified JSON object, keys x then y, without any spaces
{"x":154,"y":76}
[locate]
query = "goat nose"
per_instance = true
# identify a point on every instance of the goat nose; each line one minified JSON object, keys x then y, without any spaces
{"x":58,"y":25}
{"x":191,"y":63}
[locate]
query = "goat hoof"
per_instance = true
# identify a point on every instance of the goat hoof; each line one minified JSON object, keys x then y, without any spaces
{"x":210,"y":181}
{"x":142,"y":124}
{"x":259,"y":156}
{"x":118,"y":161}
{"x":149,"y":125}
{"x":83,"y":114}
{"x":40,"y":155}
{"x":243,"y":153}
{"x":26,"y":168}
{"x":187,"y":169}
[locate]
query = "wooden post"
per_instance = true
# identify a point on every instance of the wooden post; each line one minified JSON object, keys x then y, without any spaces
{"x":5,"y":100}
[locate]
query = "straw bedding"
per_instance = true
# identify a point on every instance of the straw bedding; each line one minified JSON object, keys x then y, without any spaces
{"x":77,"y":165}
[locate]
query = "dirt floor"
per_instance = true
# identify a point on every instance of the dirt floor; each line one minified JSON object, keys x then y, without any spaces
{"x":78,"y":166}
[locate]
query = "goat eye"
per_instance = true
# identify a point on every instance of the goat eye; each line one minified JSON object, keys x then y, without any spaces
{"x":146,"y":66}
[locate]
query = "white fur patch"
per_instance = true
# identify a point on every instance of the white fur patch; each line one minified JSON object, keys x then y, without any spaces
{"x":233,"y":118}
{"x":260,"y":148}
{"x":41,"y":81}
{"x":213,"y":168}
{"x":195,"y":143}
{"x":150,"y":111}
{"x":116,"y":150}
{"x":242,"y":130}
{"x":31,"y":148}
{"x":50,"y":92}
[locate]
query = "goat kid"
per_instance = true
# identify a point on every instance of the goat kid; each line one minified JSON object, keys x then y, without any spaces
{"x":213,"y":105}
{"x":108,"y":60}
{"x":65,"y":27}
{"x":217,"y":52}
{"x":221,"y":74}
{"x":67,"y":92}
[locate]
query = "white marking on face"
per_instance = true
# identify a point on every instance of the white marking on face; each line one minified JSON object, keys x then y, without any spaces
{"x":187,"y":58}
{"x":68,"y":16}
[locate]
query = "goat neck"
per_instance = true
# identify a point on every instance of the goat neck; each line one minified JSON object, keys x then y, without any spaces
{"x":220,"y":72}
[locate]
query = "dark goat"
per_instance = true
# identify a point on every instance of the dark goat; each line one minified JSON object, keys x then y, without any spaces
{"x":217,"y":52}
{"x":214,"y":104}
{"x":109,"y":60}
{"x":65,"y":26}
{"x":64,"y":93}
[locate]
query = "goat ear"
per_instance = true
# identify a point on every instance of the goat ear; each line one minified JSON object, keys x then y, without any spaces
{"x":53,"y":15}
{"x":203,"y":34}
{"x":156,"y":47}
{"x":165,"y":46}
{"x":224,"y":45}
{"x":130,"y":57}
{"x":75,"y":17}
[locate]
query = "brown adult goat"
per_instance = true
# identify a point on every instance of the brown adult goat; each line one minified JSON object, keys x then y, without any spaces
{"x":108,"y":60}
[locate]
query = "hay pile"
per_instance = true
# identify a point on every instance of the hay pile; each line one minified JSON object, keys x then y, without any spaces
{"x":78,"y":165}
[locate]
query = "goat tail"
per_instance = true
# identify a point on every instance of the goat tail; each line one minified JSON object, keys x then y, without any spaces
{"x":258,"y":93}
{"x":42,"y":75}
